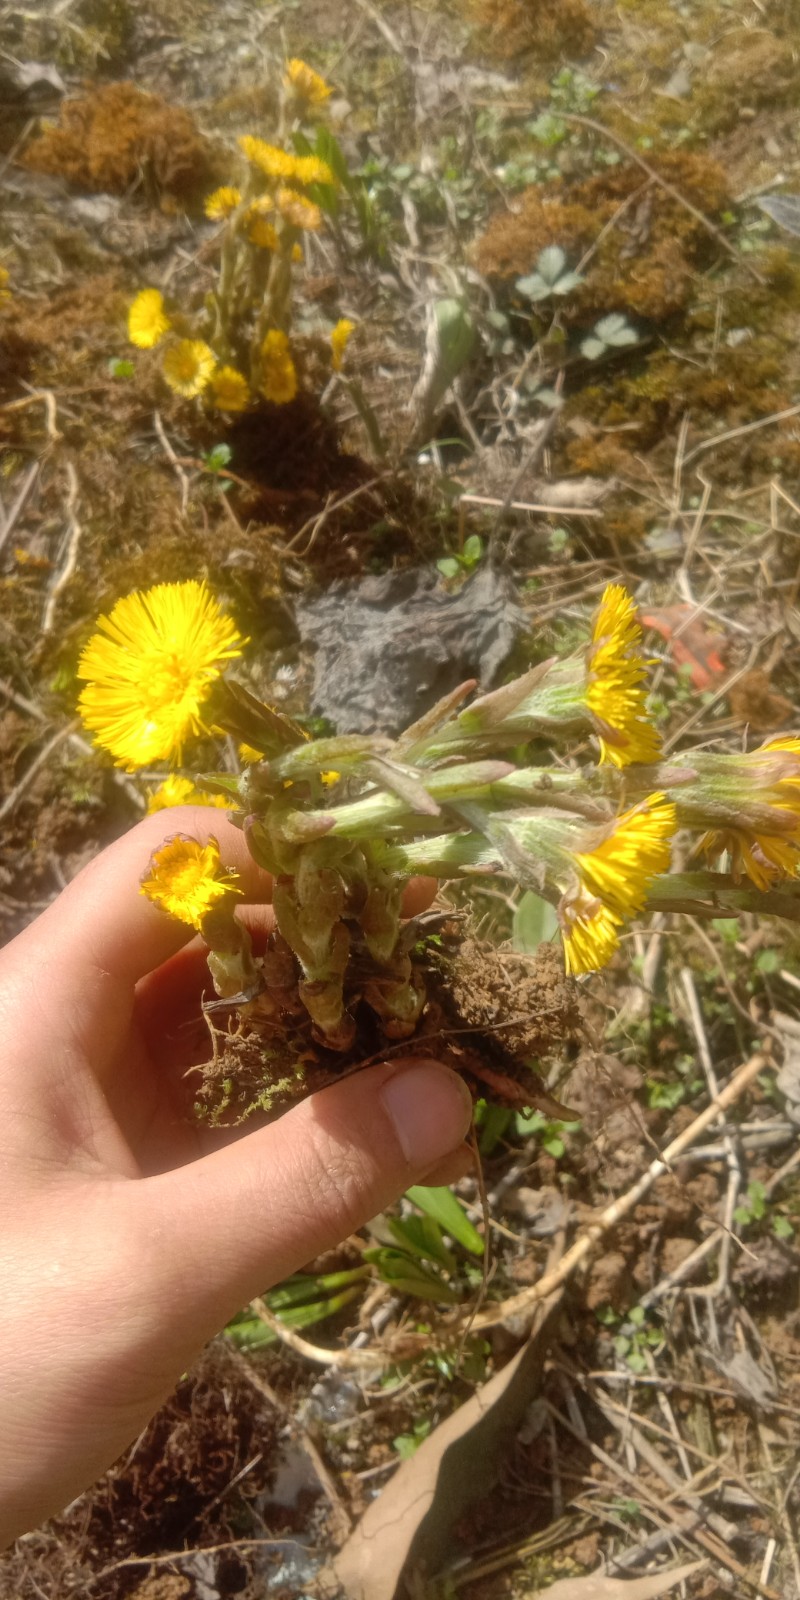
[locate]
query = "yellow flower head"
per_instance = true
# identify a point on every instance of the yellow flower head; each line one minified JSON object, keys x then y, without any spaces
{"x":306,"y":83}
{"x":269,"y":158}
{"x":147,"y":319}
{"x":260,"y":231}
{"x":278,"y":372}
{"x":229,"y":390}
{"x":222,"y":202}
{"x":187,"y":879}
{"x":590,"y":933}
{"x":5,"y":279}
{"x":149,"y":669}
{"x":298,"y":211}
{"x":765,"y":847}
{"x":616,"y":673}
{"x":188,"y":367}
{"x":620,"y":866}
{"x":312,"y":169}
{"x":176,"y":791}
{"x":340,"y":338}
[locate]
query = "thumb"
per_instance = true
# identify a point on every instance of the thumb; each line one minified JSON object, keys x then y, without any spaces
{"x":235,"y":1222}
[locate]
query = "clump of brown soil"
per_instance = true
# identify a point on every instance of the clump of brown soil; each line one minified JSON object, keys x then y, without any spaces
{"x":117,"y":138}
{"x":644,"y":264}
{"x":549,"y":31}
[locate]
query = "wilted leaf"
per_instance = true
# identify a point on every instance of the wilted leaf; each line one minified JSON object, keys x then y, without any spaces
{"x":410,"y":1524}
{"x":595,"y":1587}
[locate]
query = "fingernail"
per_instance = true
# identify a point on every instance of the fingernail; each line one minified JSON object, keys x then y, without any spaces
{"x":431,"y":1109}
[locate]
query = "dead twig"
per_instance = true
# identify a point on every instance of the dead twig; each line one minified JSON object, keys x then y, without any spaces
{"x":70,"y":561}
{"x":173,"y":459}
{"x":18,"y":506}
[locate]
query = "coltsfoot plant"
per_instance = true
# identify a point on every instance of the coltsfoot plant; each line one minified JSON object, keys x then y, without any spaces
{"x":234,"y":348}
{"x":343,"y":823}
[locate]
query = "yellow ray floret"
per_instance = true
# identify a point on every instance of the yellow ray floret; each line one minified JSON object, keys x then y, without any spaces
{"x":5,"y":279}
{"x":298,"y":211}
{"x":177,"y":791}
{"x":229,"y":390}
{"x":259,"y":230}
{"x":149,"y":670}
{"x":147,"y":319}
{"x":187,"y":879}
{"x":222,"y":202}
{"x":312,"y":169}
{"x":340,"y":338}
{"x":306,"y":83}
{"x":590,"y":933}
{"x":278,"y":372}
{"x":620,"y":867}
{"x":269,"y":158}
{"x":616,"y":674}
{"x":764,"y":858}
{"x":188,"y":367}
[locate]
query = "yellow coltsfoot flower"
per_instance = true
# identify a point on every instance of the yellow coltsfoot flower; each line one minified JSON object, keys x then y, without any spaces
{"x":177,"y":791}
{"x":147,"y":319}
{"x":298,"y":211}
{"x":269,"y":158}
{"x":229,"y":390}
{"x":5,"y":279}
{"x":757,"y":800}
{"x":150,"y":668}
{"x":259,"y":229}
{"x":312,"y":169}
{"x":188,"y":367}
{"x":616,"y":673}
{"x":632,"y":851}
{"x":306,"y":83}
{"x":340,"y":338}
{"x":278,"y":371}
{"x":187,"y":879}
{"x":614,"y":872}
{"x":222,"y":202}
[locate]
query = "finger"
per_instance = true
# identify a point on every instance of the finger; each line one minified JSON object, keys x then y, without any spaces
{"x":102,"y":921}
{"x":241,"y":1219}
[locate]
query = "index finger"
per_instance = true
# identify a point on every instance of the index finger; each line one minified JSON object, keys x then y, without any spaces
{"x":102,"y":921}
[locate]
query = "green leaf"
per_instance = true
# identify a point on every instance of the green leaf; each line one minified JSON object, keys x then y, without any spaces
{"x":534,"y":923}
{"x":550,"y":263}
{"x":473,"y":550}
{"x":593,"y":348}
{"x":408,"y":1276}
{"x":782,"y":1227}
{"x":422,"y":1237}
{"x":533,"y":287}
{"x":442,"y":1205}
{"x":615,"y":330}
{"x":120,"y":368}
{"x":767,"y":961}
{"x":217,"y":458}
{"x":449,"y":566}
{"x":493,"y":1123}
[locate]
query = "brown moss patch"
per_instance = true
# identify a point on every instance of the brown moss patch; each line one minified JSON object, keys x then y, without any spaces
{"x":508,"y":29}
{"x":117,"y":138}
{"x":644,"y":264}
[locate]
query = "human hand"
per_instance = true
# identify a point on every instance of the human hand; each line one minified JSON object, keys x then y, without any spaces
{"x":128,"y":1236}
